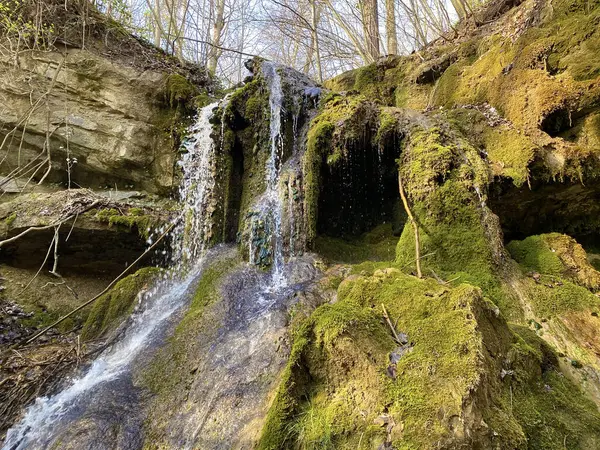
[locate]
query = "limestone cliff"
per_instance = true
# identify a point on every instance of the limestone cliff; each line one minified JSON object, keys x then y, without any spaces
{"x":99,"y":96}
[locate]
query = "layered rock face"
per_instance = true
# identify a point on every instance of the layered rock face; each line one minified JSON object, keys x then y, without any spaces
{"x":111,"y":118}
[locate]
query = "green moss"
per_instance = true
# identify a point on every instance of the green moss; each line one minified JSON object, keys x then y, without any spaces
{"x":248,"y":103}
{"x":454,"y":239}
{"x":552,"y":296}
{"x":179,"y":91}
{"x":510,"y":153}
{"x":430,"y":160}
{"x":44,"y":317}
{"x":388,"y":127}
{"x":117,"y":304}
{"x":558,"y":255}
{"x":552,"y":411}
{"x":9,"y":220}
{"x":133,"y":218}
{"x":371,"y":81}
{"x":375,"y":245}
{"x":335,"y":386}
{"x":533,"y":253}
{"x":367,"y":76}
{"x":445,"y":88}
{"x":445,"y":180}
{"x":167,"y":372}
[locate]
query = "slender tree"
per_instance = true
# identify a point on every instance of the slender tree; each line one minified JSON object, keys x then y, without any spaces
{"x":390,"y":27}
{"x":370,"y":24}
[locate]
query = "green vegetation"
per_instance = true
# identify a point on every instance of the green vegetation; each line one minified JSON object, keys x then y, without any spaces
{"x":375,"y":245}
{"x":541,"y":79}
{"x":341,"y":120}
{"x":533,"y":253}
{"x":509,"y":153}
{"x":179,"y":92}
{"x":551,"y":297}
{"x":552,"y":411}
{"x":9,"y":220}
{"x":117,"y":304}
{"x":336,"y":391}
{"x":133,"y":218}
{"x":563,"y":265}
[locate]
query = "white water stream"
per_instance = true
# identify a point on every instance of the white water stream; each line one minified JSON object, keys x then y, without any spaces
{"x":36,"y":429}
{"x":270,"y":206}
{"x":44,"y":420}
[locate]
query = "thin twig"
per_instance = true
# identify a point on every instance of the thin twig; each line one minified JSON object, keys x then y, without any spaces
{"x":45,"y":227}
{"x":41,"y":267}
{"x":389,"y":322}
{"x":54,"y":270}
{"x":414,"y":225}
{"x":72,"y":226}
{"x":107,"y":288}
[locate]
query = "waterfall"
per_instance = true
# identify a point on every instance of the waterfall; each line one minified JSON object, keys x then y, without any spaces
{"x":269,"y":210}
{"x":42,"y":420}
{"x":198,"y":166}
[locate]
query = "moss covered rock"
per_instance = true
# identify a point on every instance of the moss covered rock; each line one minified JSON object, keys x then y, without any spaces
{"x":348,"y":384}
{"x":118,"y":303}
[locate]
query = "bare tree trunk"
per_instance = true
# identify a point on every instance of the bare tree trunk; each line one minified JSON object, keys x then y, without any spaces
{"x":214,"y":51}
{"x":241,"y":45}
{"x":344,"y":25}
{"x":370,"y":22}
{"x":460,"y":9}
{"x":157,"y":25}
{"x":182,"y":9}
{"x":309,"y":55}
{"x":390,"y":27}
{"x":417,"y":21}
{"x":315,"y":15}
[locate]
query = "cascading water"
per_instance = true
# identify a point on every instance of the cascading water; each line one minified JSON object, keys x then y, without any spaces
{"x":199,"y":167}
{"x":48,"y":416}
{"x":106,"y":395}
{"x":270,"y":206}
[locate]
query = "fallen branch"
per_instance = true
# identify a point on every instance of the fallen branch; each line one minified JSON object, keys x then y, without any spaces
{"x":414,"y":225}
{"x":107,"y":288}
{"x":439,"y":280}
{"x":46,"y":227}
{"x":389,"y":322}
{"x":54,"y":270}
{"x":414,"y":260}
{"x":41,"y":267}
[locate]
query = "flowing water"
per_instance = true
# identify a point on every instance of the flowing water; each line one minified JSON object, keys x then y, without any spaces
{"x":269,"y":207}
{"x":243,"y":350}
{"x":39,"y":426}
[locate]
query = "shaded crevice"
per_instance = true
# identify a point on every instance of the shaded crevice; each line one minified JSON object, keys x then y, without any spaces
{"x":569,"y":208}
{"x":86,"y":252}
{"x":234,"y":197}
{"x":360,"y":190}
{"x":557,"y":122}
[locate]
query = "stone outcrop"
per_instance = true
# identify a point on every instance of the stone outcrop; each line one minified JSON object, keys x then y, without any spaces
{"x":112,"y":119}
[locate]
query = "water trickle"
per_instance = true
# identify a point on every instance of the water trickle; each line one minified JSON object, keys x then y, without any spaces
{"x":481,"y":198}
{"x":48,"y":416}
{"x":198,"y":167}
{"x":266,"y":223}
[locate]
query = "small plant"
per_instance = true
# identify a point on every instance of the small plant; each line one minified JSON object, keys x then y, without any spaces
{"x":71,"y":162}
{"x":23,"y":29}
